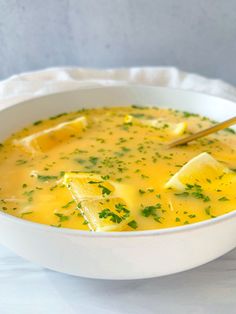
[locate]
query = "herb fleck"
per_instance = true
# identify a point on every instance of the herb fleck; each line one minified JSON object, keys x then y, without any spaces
{"x":62,"y":217}
{"x":133,"y":224}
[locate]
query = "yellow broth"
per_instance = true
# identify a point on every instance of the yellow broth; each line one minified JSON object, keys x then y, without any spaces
{"x":127,"y":153}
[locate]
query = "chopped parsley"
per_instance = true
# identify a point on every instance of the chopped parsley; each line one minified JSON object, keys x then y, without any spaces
{"x":194,"y":190}
{"x":58,"y":116}
{"x":43,"y":178}
{"x":223,"y":199}
{"x":93,"y":160}
{"x":141,"y":191}
{"x":37,"y":122}
{"x":68,"y":204}
{"x":187,"y":114}
{"x":183,"y":194}
{"x":122,"y":208}
{"x":138,"y":107}
{"x":29,"y":194}
{"x":133,"y":224}
{"x":106,"y":177}
{"x":62,"y":217}
{"x":151,"y":211}
{"x":208,"y":210}
{"x":107,"y":213}
{"x":21,"y":162}
{"x":105,"y":190}
{"x":80,"y":161}
{"x":138,"y":115}
{"x":26,"y":213}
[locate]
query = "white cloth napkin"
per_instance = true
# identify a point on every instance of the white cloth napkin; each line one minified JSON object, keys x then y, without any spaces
{"x":28,"y":85}
{"x":27,"y":288}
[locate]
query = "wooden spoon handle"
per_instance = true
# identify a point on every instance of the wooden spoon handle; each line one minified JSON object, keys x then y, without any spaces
{"x":217,"y":127}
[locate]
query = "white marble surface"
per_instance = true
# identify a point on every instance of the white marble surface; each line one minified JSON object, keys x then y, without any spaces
{"x":26,"y":288}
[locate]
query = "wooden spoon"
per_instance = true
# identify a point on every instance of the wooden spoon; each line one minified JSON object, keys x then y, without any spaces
{"x":217,"y":127}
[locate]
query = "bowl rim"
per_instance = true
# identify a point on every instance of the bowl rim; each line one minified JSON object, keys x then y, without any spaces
{"x":118,"y":234}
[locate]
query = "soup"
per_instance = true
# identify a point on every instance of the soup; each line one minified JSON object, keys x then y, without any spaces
{"x":110,"y":169}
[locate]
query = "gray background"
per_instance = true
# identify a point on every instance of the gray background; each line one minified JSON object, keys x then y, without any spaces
{"x":195,"y":35}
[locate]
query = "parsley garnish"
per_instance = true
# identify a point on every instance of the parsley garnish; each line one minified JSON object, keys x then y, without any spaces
{"x":208,"y":210}
{"x":80,"y":161}
{"x":105,"y":190}
{"x":151,"y":211}
{"x":21,"y":162}
{"x":138,"y":107}
{"x":223,"y":199}
{"x":93,"y":160}
{"x":187,"y":114}
{"x":46,"y":178}
{"x":56,"y":226}
{"x":68,"y":204}
{"x":29,"y":194}
{"x":194,"y":190}
{"x":62,"y":217}
{"x":37,"y":122}
{"x":184,"y":194}
{"x":106,"y":213}
{"x":199,"y":195}
{"x":58,"y":116}
{"x":107,"y":177}
{"x":138,"y":115}
{"x":122,"y":208}
{"x":26,"y":213}
{"x":133,"y":224}
{"x":141,"y":191}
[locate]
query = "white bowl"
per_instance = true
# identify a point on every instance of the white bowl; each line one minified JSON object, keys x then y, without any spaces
{"x":117,"y":255}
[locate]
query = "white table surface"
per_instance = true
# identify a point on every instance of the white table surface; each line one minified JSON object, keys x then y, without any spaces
{"x":26,"y":288}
